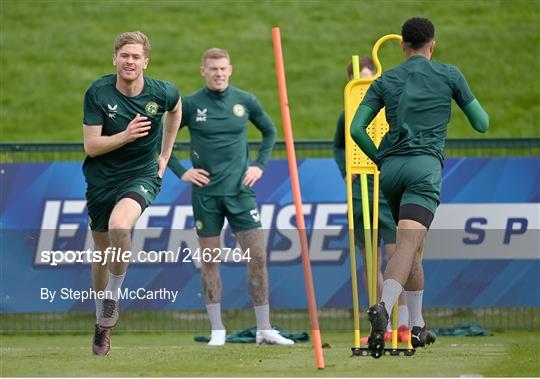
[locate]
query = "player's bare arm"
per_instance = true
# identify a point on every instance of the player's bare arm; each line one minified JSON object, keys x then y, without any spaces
{"x":96,"y":144}
{"x":171,"y":124}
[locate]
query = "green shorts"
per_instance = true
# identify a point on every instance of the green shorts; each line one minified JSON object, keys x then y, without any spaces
{"x":411,"y":180}
{"x":101,"y":200}
{"x":210,"y":211}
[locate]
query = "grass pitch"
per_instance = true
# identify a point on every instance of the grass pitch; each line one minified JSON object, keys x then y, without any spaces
{"x":507,"y":353}
{"x":52,"y":50}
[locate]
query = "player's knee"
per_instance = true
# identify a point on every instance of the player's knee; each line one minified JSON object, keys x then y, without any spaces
{"x":119,"y":224}
{"x":257,"y":259}
{"x":119,"y":231}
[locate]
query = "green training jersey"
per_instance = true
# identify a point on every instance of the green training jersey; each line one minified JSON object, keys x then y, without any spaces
{"x":105,"y":105}
{"x":217,"y":123}
{"x":417,"y":95}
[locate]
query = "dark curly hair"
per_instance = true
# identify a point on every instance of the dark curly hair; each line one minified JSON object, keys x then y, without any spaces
{"x":417,"y":31}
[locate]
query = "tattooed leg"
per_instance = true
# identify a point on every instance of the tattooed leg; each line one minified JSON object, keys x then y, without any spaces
{"x":211,"y":280}
{"x":257,"y":274}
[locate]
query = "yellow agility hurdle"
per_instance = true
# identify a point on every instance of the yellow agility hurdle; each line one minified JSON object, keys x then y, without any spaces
{"x":358,"y":163}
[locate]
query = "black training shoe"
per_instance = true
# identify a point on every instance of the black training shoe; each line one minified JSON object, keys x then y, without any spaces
{"x":430,"y":337}
{"x":378,"y":317}
{"x":420,"y":337}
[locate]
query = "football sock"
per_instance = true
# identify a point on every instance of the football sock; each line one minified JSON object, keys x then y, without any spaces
{"x":414,"y":303}
{"x":262,"y":314}
{"x":391,"y":291}
{"x":99,"y":308}
{"x":114,"y":285}
{"x":403,"y":315}
{"x":214,"y":314}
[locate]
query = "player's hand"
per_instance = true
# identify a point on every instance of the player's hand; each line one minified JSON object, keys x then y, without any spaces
{"x":137,"y":128}
{"x":196,"y":176}
{"x":253,"y":174}
{"x":162,"y":165}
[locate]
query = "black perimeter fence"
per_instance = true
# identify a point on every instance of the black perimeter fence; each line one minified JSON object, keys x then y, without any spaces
{"x":331,"y":319}
{"x":11,"y":152}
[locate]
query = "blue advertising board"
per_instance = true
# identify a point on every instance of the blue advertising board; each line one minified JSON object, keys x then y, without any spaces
{"x":483,"y":249}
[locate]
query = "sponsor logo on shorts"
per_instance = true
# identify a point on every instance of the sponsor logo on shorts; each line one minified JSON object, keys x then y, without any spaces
{"x":255,"y":215}
{"x":151,"y":108}
{"x":199,"y":225}
{"x":239,"y":110}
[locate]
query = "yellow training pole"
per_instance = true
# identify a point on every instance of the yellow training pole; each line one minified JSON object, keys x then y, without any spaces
{"x":365,"y":214}
{"x":365,"y":210}
{"x":375,"y":250}
{"x":394,"y":326}
{"x":352,"y":242}
{"x":367,"y":236}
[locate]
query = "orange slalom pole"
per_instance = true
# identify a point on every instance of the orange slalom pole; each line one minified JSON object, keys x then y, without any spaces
{"x":297,"y":195}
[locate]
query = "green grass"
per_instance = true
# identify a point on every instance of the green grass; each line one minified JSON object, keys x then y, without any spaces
{"x":52,"y":50}
{"x":508,"y":353}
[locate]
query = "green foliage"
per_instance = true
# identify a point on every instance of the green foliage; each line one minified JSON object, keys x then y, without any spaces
{"x":506,"y":354}
{"x":52,"y":51}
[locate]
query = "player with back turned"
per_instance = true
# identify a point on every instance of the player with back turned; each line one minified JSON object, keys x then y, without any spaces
{"x":417,"y":97}
{"x":387,"y":225}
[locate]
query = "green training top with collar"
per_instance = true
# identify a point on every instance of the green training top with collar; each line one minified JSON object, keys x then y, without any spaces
{"x":218,"y":122}
{"x":417,"y":95}
{"x":105,"y":105}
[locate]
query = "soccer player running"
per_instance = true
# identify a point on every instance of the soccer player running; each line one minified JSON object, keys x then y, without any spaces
{"x":417,"y":95}
{"x":217,"y":116}
{"x":387,"y":225}
{"x":122,"y":116}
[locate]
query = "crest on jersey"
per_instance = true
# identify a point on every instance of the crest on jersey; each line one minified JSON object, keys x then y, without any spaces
{"x":201,"y":115}
{"x":151,"y":108}
{"x":239,"y":110}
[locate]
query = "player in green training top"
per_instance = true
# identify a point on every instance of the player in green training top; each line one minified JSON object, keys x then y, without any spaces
{"x":122,"y":130}
{"x":417,"y":95}
{"x":217,"y":117}
{"x":387,"y":225}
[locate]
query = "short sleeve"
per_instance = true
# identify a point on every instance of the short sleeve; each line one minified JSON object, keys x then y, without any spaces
{"x":374,"y":95}
{"x":461,"y":93}
{"x":185,"y":112}
{"x":92,"y":115}
{"x":172,"y":95}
